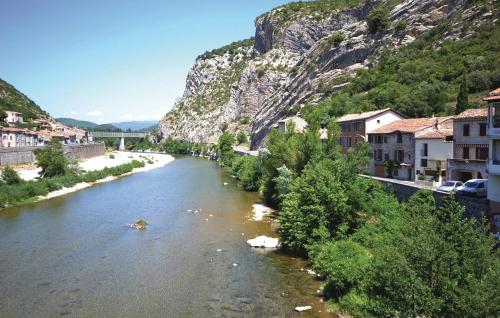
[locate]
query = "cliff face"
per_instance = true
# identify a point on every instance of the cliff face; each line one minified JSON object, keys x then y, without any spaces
{"x":301,"y":54}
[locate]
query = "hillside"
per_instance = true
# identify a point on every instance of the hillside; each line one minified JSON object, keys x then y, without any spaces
{"x":344,"y":56}
{"x":144,"y":125}
{"x":87,"y":125}
{"x":14,"y":100}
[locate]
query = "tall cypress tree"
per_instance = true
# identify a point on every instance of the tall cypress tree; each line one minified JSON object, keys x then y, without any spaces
{"x":463,"y":97}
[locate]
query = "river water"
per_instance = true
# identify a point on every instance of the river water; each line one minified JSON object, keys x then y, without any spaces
{"x":74,"y":256}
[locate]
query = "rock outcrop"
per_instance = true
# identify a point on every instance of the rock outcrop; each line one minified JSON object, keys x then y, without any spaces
{"x":300,"y":55}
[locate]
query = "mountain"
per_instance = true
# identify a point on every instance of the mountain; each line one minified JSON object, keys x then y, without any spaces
{"x":324,"y":58}
{"x":136,"y":125}
{"x":87,"y":125}
{"x":14,"y":100}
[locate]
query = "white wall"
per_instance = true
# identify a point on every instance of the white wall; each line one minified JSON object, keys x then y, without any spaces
{"x":494,"y":188}
{"x":383,"y":119}
{"x":437,"y":149}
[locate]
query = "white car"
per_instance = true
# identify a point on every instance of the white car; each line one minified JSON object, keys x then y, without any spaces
{"x":474,"y":187}
{"x":449,"y":186}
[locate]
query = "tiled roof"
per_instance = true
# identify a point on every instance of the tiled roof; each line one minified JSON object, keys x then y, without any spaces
{"x":408,"y":125}
{"x":437,"y":134}
{"x":360,"y":116}
{"x":472,"y":113}
{"x":493,"y":95}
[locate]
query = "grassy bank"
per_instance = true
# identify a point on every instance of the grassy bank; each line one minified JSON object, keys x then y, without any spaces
{"x":29,"y":191}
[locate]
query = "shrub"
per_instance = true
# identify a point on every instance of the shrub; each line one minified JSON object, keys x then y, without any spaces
{"x":241,"y":138}
{"x":10,"y":176}
{"x":337,"y":39}
{"x":378,"y":20}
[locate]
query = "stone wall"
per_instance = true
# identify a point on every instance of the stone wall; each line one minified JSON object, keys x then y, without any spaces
{"x":474,"y":207}
{"x":25,"y":155}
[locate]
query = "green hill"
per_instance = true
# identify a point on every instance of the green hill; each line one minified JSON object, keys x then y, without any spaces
{"x":13,"y":100}
{"x":87,"y":125}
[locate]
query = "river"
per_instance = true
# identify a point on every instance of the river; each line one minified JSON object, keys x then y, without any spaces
{"x":75,"y":256}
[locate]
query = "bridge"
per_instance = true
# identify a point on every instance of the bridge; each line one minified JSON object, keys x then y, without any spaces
{"x":117,"y":134}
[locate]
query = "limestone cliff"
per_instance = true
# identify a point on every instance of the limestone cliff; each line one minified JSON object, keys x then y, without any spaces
{"x":302,"y":53}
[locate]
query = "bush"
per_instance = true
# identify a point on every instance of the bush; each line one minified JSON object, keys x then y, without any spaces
{"x":241,"y":138}
{"x":378,"y":20}
{"x":337,"y":39}
{"x":10,"y":176}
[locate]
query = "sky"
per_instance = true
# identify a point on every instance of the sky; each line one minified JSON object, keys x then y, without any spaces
{"x":114,"y":60}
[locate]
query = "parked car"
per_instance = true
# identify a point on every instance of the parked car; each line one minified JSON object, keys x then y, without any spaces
{"x":474,"y":187}
{"x":450,"y":186}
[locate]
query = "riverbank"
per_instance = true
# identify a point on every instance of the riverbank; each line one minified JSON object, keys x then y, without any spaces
{"x":95,"y":170}
{"x":152,"y":161}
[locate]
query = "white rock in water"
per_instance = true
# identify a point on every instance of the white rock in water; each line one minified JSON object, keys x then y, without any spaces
{"x":259,"y":211}
{"x":225,"y":183}
{"x":303,"y":308}
{"x":264,"y":241}
{"x":311,"y":272}
{"x":219,"y":250}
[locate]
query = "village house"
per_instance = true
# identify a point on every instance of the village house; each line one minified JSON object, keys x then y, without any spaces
{"x":396,"y":142}
{"x":299,"y":123}
{"x":355,"y":127}
{"x":432,"y":149}
{"x":14,"y":117}
{"x":493,"y":100}
{"x":18,"y":137}
{"x":470,"y":147}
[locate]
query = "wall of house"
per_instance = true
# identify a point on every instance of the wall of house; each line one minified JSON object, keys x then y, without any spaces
{"x":473,"y":138}
{"x":25,"y":155}
{"x":381,"y":120}
{"x":408,"y":147}
{"x":437,"y":150}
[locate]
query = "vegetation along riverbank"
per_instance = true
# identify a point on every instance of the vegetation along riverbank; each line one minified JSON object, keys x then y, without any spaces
{"x":378,"y":257}
{"x":60,"y":176}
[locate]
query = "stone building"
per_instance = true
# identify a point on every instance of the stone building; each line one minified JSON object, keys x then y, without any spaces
{"x":18,"y":137}
{"x":14,"y":117}
{"x":470,"y":147}
{"x":355,"y":127}
{"x":396,"y":141}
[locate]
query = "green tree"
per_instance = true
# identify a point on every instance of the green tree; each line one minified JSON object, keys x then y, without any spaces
{"x":225,"y":148}
{"x":463,"y":97}
{"x":378,"y":20}
{"x":241,"y":138}
{"x":51,"y":159}
{"x":10,"y":176}
{"x":3,"y":115}
{"x":391,"y":166}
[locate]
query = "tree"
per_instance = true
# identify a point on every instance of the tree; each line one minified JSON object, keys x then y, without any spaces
{"x":225,"y":147}
{"x":3,"y":115}
{"x":463,"y":97}
{"x":391,"y":166}
{"x":378,"y":19}
{"x":10,"y":176}
{"x":241,"y":138}
{"x":52,"y":160}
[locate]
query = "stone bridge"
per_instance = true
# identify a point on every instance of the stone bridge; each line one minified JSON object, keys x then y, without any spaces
{"x":117,"y":134}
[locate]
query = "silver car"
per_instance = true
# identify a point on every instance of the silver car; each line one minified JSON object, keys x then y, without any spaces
{"x":474,"y":187}
{"x":449,"y":186}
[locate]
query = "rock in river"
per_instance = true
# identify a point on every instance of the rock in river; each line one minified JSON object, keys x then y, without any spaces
{"x":264,"y":241}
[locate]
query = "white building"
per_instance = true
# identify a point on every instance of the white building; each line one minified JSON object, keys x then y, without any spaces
{"x":432,"y":149}
{"x":14,"y":117}
{"x":299,"y":123}
{"x":493,"y":100}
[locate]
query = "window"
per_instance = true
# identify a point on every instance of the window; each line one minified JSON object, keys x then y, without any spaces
{"x":425,"y":150}
{"x":465,"y":153}
{"x":345,"y":141}
{"x":386,"y":156}
{"x":378,"y":155}
{"x":466,"y":130}
{"x":370,"y":138}
{"x":400,"y":138}
{"x":385,"y":139}
{"x":379,"y":139}
{"x":423,"y":163}
{"x":481,"y":153}
{"x":482,"y":129}
{"x":399,"y":155}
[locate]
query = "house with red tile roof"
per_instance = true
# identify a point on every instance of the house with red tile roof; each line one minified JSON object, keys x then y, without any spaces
{"x":396,"y":141}
{"x":432,"y":149}
{"x":470,"y":147}
{"x":355,"y":127}
{"x":17,"y":137}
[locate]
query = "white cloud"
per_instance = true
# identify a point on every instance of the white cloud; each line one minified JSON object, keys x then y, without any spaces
{"x":73,"y":113}
{"x":94,"y":113}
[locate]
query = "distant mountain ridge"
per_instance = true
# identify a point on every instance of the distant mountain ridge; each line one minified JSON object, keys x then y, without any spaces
{"x":145,"y":125}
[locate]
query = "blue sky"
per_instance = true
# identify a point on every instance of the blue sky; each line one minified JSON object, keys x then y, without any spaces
{"x":114,"y":60}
